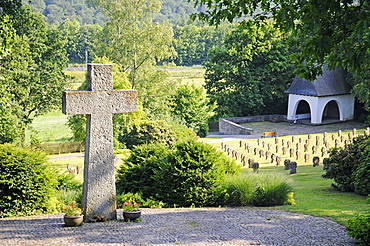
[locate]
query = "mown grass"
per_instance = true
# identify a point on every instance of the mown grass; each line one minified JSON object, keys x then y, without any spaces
{"x":51,"y":127}
{"x":313,"y":194}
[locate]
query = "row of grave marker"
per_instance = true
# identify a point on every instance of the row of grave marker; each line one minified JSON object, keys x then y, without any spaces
{"x":274,"y":157}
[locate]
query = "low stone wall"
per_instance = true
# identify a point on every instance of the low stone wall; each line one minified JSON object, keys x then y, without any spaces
{"x":232,"y":125}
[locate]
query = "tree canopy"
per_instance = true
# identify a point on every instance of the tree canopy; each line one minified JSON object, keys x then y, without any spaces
{"x":32,"y":75}
{"x":335,"y":32}
{"x":249,"y":74}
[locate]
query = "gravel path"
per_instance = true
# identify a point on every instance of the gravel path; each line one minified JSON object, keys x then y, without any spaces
{"x":200,"y":226}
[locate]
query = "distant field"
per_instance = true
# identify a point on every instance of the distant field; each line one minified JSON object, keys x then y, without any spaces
{"x":185,"y":74}
{"x":52,"y":127}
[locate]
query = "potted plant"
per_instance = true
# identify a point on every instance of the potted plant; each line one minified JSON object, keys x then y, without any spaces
{"x":131,"y":211}
{"x":73,"y":215}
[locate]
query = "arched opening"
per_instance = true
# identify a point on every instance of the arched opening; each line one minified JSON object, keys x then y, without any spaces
{"x":303,"y":110}
{"x":331,"y":111}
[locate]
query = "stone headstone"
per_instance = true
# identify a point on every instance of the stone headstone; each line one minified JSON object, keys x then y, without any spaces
{"x":293,"y":167}
{"x":278,"y":160}
{"x":306,"y":157}
{"x":286,"y":164}
{"x":99,"y":102}
{"x":316,"y":161}
{"x":79,"y":169}
{"x":277,"y":148}
{"x":305,"y":147}
{"x":255,"y":166}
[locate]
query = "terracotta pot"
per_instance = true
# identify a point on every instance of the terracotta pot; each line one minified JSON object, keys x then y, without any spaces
{"x":73,"y":221}
{"x":131,"y":215}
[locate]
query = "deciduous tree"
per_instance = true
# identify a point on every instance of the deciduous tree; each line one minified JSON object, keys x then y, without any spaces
{"x":336,"y":32}
{"x":248,"y":75}
{"x":32,"y":77}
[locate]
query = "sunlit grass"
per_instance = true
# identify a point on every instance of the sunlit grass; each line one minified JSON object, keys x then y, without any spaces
{"x":312,"y":193}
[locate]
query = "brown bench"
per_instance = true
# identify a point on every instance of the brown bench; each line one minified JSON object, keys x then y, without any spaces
{"x":268,"y":134}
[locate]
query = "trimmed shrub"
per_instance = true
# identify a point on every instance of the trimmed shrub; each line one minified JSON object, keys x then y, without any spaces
{"x":359,"y":228}
{"x":187,"y":175}
{"x":137,"y":173}
{"x":192,"y":174}
{"x":350,"y":166}
{"x":258,"y":189}
{"x":147,"y":132}
{"x":26,"y":183}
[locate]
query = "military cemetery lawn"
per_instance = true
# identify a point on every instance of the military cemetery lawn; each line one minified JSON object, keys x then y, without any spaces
{"x":312,"y":193}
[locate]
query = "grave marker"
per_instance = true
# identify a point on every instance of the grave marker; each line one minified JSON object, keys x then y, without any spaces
{"x":99,"y":102}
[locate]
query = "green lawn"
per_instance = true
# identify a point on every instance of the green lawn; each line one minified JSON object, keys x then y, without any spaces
{"x":52,"y":127}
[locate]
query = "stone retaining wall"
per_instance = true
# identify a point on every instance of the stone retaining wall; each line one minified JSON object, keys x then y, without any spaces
{"x":232,"y":125}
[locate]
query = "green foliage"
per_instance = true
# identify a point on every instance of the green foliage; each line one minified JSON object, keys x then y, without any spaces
{"x":137,"y":198}
{"x":26,"y":183}
{"x":194,"y":41}
{"x":137,"y":174}
{"x":359,"y":228}
{"x":248,"y":75}
{"x":257,"y":189}
{"x":187,"y":175}
{"x":146,"y":132}
{"x":335,"y":32}
{"x":9,"y":131}
{"x":57,"y":11}
{"x":79,"y":40}
{"x":32,"y":74}
{"x":191,"y":105}
{"x":349,"y":166}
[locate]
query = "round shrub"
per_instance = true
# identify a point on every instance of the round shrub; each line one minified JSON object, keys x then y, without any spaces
{"x":147,"y":132}
{"x":192,"y":174}
{"x":26,"y":184}
{"x":137,"y":173}
{"x":189,"y":174}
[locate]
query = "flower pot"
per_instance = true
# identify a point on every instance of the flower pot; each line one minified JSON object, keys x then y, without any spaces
{"x":73,"y":221}
{"x":131,"y":215}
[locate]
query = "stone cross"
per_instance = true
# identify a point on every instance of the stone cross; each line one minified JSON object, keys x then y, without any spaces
{"x":99,"y":102}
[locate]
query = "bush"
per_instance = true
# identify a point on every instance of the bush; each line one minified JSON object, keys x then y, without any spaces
{"x":192,"y":174}
{"x":137,"y":198}
{"x":137,"y":173}
{"x":258,"y":189}
{"x":26,"y":183}
{"x":350,"y":166}
{"x":359,"y":228}
{"x":187,"y":175}
{"x":147,"y":132}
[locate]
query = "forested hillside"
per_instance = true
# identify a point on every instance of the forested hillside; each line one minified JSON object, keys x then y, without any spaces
{"x":56,"y":11}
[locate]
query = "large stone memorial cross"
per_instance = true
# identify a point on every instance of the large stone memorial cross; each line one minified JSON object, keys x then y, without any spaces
{"x":99,"y":102}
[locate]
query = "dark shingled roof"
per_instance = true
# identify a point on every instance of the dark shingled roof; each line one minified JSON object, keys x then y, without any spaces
{"x":329,"y":84}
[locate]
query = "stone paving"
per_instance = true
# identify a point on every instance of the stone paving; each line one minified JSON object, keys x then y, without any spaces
{"x":186,"y":226}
